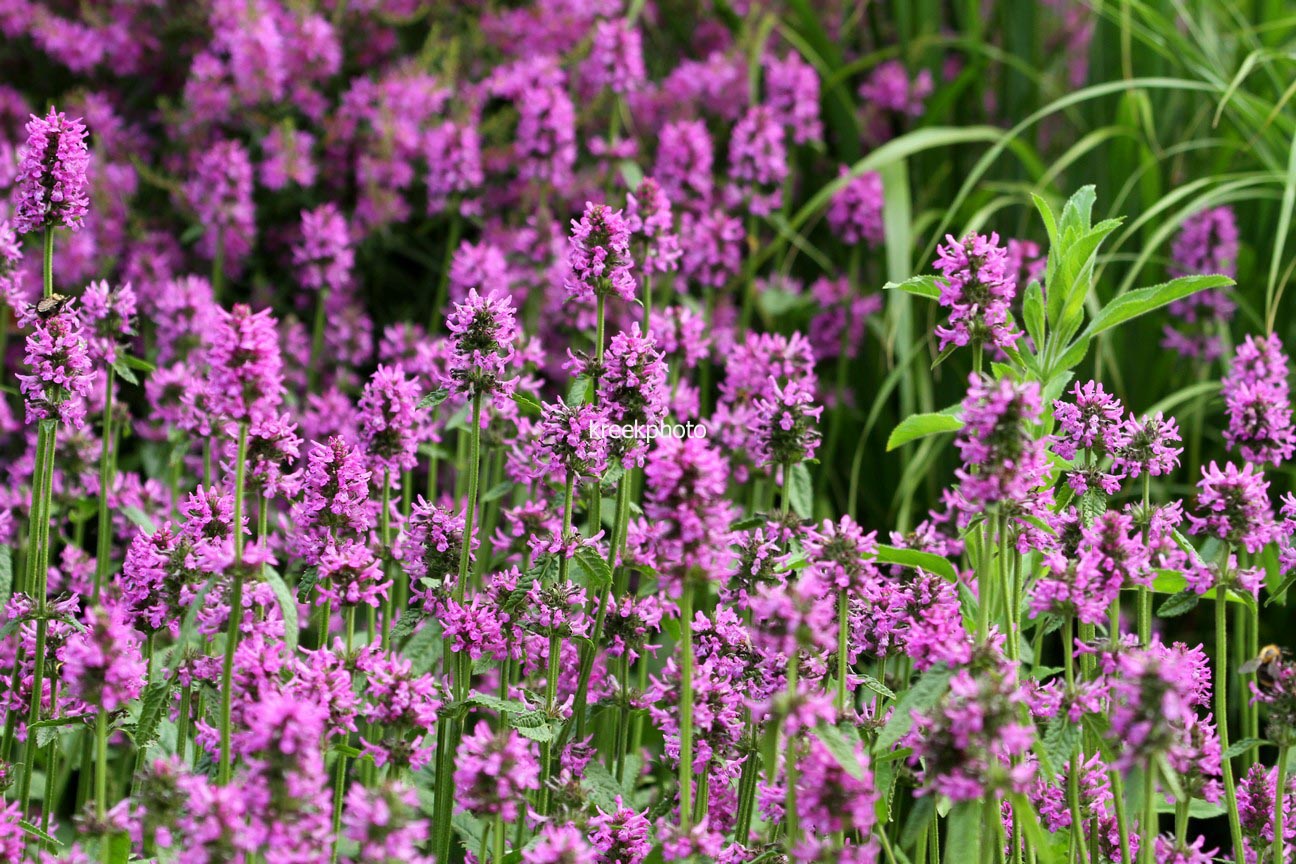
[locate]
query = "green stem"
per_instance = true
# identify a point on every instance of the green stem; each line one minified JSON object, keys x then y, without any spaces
{"x":443,"y":280}
{"x":384,"y":521}
{"x":1148,"y":823}
{"x":38,"y":555}
{"x":789,"y":763}
{"x":1073,"y":773}
{"x":235,"y":610}
{"x":317,"y":340}
{"x":101,"y":764}
{"x":843,"y":629}
{"x":47,"y":263}
{"x":105,"y":482}
{"x":1221,"y":699}
{"x":686,"y":707}
{"x":1280,"y":794}
{"x":1144,"y":595}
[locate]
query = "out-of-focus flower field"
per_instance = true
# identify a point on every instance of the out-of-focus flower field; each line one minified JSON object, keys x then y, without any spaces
{"x":644,"y":431}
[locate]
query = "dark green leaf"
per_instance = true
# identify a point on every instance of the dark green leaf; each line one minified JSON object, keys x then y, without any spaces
{"x":1237,"y":748}
{"x":499,"y":490}
{"x":527,"y":403}
{"x":1143,"y":300}
{"x":590,"y":571}
{"x":1178,"y":604}
{"x":963,"y":837}
{"x":33,"y":831}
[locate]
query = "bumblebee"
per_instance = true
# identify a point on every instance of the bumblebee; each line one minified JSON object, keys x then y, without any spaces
{"x":1264,"y":665}
{"x":48,"y":307}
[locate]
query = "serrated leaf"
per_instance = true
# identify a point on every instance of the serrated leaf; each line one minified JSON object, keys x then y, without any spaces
{"x":920,"y":426}
{"x":153,"y":707}
{"x":841,"y":748}
{"x":124,"y":372}
{"x":876,"y":686}
{"x":527,"y":403}
{"x":1178,"y":604}
{"x":590,"y":571}
{"x":287,"y":606}
{"x":1093,"y":504}
{"x":919,"y":286}
{"x":49,"y":730}
{"x":963,"y":837}
{"x":928,"y":561}
{"x":433,"y":399}
{"x":922,"y":695}
{"x":1061,"y":742}
{"x":1237,"y":748}
{"x":405,"y":625}
{"x":800,"y":491}
{"x":40,"y":835}
{"x":1033,"y":314}
{"x":580,"y":391}
{"x":6,"y":572}
{"x":423,"y":649}
{"x":139,"y":518}
{"x":499,"y":490}
{"x":469,"y":828}
{"x":1140,"y":301}
{"x":545,"y":734}
{"x":602,"y":788}
{"x":117,"y":848}
{"x":306,"y":584}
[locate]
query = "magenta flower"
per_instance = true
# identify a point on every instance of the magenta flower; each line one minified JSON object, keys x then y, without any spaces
{"x":494,"y":771}
{"x":633,"y":390}
{"x":454,"y":160}
{"x":855,"y":211}
{"x":758,"y":161}
{"x":52,"y":186}
{"x":648,"y":216}
{"x":385,"y":825}
{"x":246,"y":365}
{"x":599,"y":255}
{"x":388,"y":419}
{"x":573,"y":439}
{"x":1147,"y":445}
{"x":1207,"y":243}
{"x":484,"y":332}
{"x":323,"y":256}
{"x":1234,"y":505}
{"x":60,"y":373}
{"x":220,"y":193}
{"x":792,"y":92}
{"x":350,"y":575}
{"x":712,"y":247}
{"x":103,"y":667}
{"x":615,"y":60}
{"x":623,"y":836}
{"x":110,"y":317}
{"x":978,"y":289}
{"x":1003,"y":462}
{"x":1257,"y":399}
{"x":684,"y":156}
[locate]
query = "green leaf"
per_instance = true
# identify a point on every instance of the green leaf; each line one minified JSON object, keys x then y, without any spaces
{"x":603,"y":789}
{"x":920,"y":560}
{"x":137,"y":363}
{"x":1179,"y":604}
{"x":499,"y":490}
{"x":800,"y":491}
{"x":841,"y":747}
{"x":405,"y":624}
{"x":288,"y":606}
{"x":50,"y":729}
{"x":918,"y":426}
{"x":1092,"y":505}
{"x":139,"y":518}
{"x":922,"y":695}
{"x":6,"y":572}
{"x":876,"y":686}
{"x":631,"y":173}
{"x":1237,"y":748}
{"x":580,"y":391}
{"x":527,"y":403}
{"x":423,"y":649}
{"x":156,"y":700}
{"x":546,"y":734}
{"x":590,"y":571}
{"x":306,"y":584}
{"x":963,"y":837}
{"x":40,"y":835}
{"x":1143,"y":300}
{"x":124,"y":372}
{"x":919,"y":286}
{"x":1033,"y":314}
{"x":433,"y":399}
{"x":469,"y":828}
{"x":1061,"y":741}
